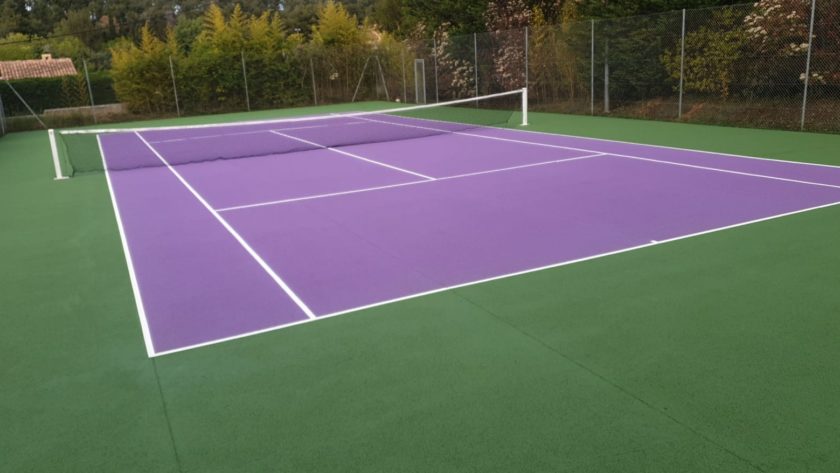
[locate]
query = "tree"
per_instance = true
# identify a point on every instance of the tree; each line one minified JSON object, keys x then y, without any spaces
{"x":336,"y":26}
{"x":505,"y":20}
{"x":141,"y":72}
{"x":10,"y":19}
{"x":17,"y":46}
{"x":711,"y":56}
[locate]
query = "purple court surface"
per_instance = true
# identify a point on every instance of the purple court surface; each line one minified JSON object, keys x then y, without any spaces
{"x":223,"y":248}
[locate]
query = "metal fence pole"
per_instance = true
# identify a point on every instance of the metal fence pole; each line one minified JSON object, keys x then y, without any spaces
{"x":405,"y":89}
{"x":25,"y":104}
{"x":434,"y":56}
{"x":592,"y":68}
{"x":382,"y":76}
{"x":2,"y":118}
{"x":475,"y":61}
{"x":245,"y":80}
{"x":90,"y":91}
{"x":607,"y":75}
{"x":808,"y":65}
{"x":682,"y":65}
{"x":312,"y":73}
{"x":174,"y":88}
{"x":526,"y":57}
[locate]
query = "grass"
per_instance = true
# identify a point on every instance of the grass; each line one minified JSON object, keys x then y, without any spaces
{"x":716,"y":353}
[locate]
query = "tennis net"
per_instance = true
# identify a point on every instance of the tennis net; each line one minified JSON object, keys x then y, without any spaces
{"x":79,"y":151}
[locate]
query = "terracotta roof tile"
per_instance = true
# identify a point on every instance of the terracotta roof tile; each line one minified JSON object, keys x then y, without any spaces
{"x":32,"y":68}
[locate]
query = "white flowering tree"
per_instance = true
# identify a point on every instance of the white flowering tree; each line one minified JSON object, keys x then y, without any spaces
{"x":506,"y":20}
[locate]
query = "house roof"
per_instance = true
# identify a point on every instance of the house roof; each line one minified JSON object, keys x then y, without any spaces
{"x":32,"y":68}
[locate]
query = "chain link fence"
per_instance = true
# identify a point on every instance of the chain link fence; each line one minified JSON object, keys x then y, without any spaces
{"x":744,"y":65}
{"x":769,"y":64}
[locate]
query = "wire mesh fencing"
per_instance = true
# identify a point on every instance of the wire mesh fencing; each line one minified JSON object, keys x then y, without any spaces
{"x":772,"y":64}
{"x":745,"y":65}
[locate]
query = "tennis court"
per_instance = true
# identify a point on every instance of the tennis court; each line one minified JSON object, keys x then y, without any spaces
{"x":261,"y":226}
{"x":440,"y":291}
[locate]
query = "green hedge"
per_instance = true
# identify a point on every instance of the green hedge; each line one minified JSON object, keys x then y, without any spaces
{"x":57,"y":92}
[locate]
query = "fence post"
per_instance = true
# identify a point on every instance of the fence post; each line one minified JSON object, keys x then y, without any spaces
{"x":2,"y":118}
{"x":682,"y":65}
{"x":607,"y":75}
{"x":361,"y":76}
{"x":312,"y":73}
{"x":434,"y":56}
{"x":808,"y":66}
{"x":592,"y":68}
{"x":25,"y":104}
{"x":245,"y":80}
{"x":174,"y":88}
{"x":526,"y":57}
{"x":90,"y":90}
{"x":475,"y":61}
{"x":382,"y":76}
{"x":405,"y":90}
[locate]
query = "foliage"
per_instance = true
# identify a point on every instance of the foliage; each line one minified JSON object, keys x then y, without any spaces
{"x":336,"y":27}
{"x":209,"y":70}
{"x":556,"y":57}
{"x":505,"y":20}
{"x":711,"y":56}
{"x":141,"y":72}
{"x":16,"y":46}
{"x":56,"y":92}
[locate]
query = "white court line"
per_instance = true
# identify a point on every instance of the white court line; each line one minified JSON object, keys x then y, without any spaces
{"x":277,"y":279}
{"x":534,"y":143}
{"x":251,"y":132}
{"x":403,"y":184}
{"x":499,"y":277}
{"x":706,"y":168}
{"x":713,"y":153}
{"x":356,"y":156}
{"x":546,"y":133}
{"x":141,"y":311}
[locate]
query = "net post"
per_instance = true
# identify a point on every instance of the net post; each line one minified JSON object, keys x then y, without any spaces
{"x":54,"y":150}
{"x":807,"y":66}
{"x":524,"y":106}
{"x":682,"y":66}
